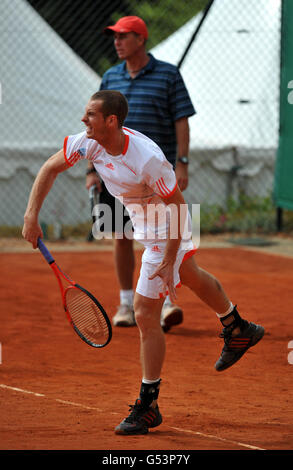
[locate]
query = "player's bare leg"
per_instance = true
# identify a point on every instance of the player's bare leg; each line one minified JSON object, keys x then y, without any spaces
{"x":152,"y":338}
{"x":145,"y":412}
{"x":239,"y":334}
{"x":204,"y":285}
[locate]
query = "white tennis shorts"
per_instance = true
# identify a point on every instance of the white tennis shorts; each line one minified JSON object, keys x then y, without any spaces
{"x":151,"y":258}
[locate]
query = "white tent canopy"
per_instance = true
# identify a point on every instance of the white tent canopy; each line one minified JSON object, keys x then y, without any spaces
{"x":45,"y":87}
{"x":232,"y":74}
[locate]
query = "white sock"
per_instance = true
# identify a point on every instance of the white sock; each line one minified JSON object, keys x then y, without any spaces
{"x":230,"y":309}
{"x":126,"y":297}
{"x":149,"y":382}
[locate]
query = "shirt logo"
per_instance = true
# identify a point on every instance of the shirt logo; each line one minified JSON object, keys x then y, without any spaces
{"x":110,"y":165}
{"x":156,"y":249}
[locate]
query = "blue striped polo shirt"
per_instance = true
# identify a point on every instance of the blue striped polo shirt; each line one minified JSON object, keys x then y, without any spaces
{"x":157,"y":97}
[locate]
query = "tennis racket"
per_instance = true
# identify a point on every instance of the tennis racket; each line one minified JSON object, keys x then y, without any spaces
{"x":93,"y":202}
{"x":85,"y":314}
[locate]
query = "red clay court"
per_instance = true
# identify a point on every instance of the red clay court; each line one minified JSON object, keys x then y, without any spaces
{"x":58,"y":393}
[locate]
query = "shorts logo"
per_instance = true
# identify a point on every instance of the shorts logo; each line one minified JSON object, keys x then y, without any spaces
{"x":156,"y":249}
{"x":110,"y":165}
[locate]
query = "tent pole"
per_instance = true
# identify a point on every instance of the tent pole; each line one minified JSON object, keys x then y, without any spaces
{"x":205,"y":13}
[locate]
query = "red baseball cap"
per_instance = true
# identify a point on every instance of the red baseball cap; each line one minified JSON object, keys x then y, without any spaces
{"x":129,"y":24}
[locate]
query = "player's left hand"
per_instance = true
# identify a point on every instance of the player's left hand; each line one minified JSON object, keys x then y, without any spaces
{"x":165,"y":272}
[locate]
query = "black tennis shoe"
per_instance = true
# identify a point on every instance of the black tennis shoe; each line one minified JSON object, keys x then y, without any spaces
{"x":236,"y":346}
{"x":140,"y":419}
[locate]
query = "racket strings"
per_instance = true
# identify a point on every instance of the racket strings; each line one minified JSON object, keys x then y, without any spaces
{"x":86,"y":316}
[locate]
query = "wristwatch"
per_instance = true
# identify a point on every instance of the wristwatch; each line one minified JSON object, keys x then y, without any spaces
{"x":183,"y":160}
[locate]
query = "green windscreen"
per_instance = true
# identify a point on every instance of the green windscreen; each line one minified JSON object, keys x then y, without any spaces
{"x":283,"y":190}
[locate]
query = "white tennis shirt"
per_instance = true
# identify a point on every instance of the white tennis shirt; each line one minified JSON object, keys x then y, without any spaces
{"x":140,"y":178}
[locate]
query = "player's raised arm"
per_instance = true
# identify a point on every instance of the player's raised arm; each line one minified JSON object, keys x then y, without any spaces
{"x":41,"y":187}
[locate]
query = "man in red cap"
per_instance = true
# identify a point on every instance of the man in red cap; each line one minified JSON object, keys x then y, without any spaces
{"x":159,"y":107}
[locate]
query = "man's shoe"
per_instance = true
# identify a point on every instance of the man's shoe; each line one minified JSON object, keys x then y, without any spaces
{"x":171,"y":315}
{"x":140,"y":420}
{"x":124,"y":316}
{"x":236,"y":346}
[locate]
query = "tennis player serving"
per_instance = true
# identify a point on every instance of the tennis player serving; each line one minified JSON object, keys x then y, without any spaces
{"x":135,"y":171}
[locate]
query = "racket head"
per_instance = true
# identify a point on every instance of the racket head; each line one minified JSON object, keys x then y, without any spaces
{"x":87,"y":316}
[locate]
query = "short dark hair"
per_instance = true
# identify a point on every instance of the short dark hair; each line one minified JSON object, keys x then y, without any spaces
{"x":113,"y":102}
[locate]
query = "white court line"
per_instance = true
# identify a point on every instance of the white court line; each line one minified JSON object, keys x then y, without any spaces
{"x":210,"y":436}
{"x":15,"y":389}
{"x":197,"y":433}
{"x":77,"y":404}
{"x":64,"y":402}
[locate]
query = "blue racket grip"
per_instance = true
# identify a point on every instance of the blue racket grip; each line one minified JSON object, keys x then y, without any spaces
{"x":45,"y":252}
